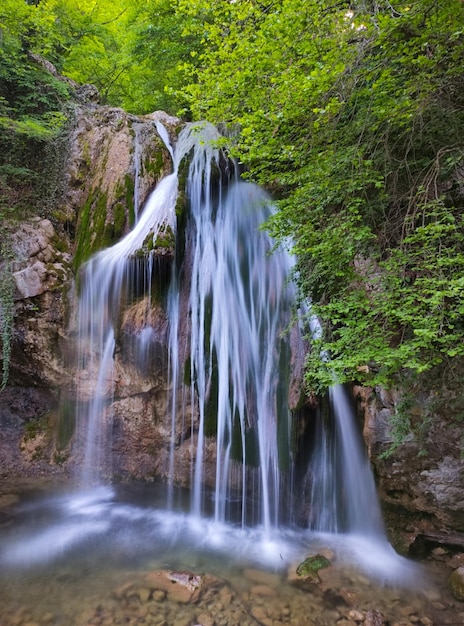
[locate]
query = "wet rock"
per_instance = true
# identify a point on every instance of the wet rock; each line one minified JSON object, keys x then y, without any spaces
{"x":183,"y":587}
{"x":144,"y":594}
{"x":456,"y":561}
{"x":159,"y":596}
{"x":355,"y":615}
{"x":374,"y":618}
{"x":206,"y":619}
{"x":350,"y":597}
{"x":456,"y":583}
{"x":259,"y":613}
{"x":308,"y":569}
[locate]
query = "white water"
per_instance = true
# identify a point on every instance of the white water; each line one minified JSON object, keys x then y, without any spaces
{"x":241,"y":294}
{"x":239,"y":306}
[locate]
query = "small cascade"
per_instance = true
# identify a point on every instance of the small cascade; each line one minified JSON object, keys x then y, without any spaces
{"x":344,"y":498}
{"x":106,"y":283}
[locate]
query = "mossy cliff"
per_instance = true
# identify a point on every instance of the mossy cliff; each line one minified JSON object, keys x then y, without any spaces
{"x":107,"y":164}
{"x":115,"y":160}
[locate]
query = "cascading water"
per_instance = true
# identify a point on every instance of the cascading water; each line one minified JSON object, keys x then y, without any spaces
{"x":344,"y":499}
{"x":239,"y":307}
{"x":240,"y":294}
{"x":232,"y":371}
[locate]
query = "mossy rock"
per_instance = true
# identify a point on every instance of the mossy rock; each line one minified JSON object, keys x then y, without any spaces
{"x":456,"y":583}
{"x":308,"y":569}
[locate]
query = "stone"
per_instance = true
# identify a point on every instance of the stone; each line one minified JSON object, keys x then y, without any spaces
{"x":143,"y":594}
{"x":374,"y":618}
{"x":456,"y":583}
{"x":456,"y":561}
{"x":308,"y":569}
{"x":259,"y":613}
{"x":31,"y":281}
{"x":183,"y":587}
{"x":158,"y":595}
{"x":206,"y":619}
{"x":355,"y":615}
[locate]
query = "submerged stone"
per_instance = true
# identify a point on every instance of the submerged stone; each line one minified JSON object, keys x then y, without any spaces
{"x":308,"y":569}
{"x":456,"y":583}
{"x":183,"y":587}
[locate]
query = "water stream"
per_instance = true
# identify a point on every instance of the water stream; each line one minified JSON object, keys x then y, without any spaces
{"x":239,"y":310}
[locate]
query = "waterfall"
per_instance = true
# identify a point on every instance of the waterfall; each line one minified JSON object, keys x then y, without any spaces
{"x":344,"y":497}
{"x":237,"y":311}
{"x":266,"y":486}
{"x":241,"y":298}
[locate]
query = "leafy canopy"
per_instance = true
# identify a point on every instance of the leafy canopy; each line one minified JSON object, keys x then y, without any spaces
{"x":352,"y":112}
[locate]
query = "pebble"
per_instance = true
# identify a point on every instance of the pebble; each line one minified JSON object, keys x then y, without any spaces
{"x":357,"y":616}
{"x":206,"y":619}
{"x":158,"y":595}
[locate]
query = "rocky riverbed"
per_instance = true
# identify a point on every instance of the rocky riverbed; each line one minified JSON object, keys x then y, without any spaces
{"x":86,"y":585}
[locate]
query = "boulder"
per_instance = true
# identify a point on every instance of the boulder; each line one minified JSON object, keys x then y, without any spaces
{"x":456,"y":583}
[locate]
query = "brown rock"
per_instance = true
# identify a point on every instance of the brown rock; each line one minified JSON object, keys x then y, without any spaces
{"x":374,"y":618}
{"x":183,"y":587}
{"x":456,"y":583}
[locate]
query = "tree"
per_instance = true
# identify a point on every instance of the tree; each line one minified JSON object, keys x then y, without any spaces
{"x":352,"y":113}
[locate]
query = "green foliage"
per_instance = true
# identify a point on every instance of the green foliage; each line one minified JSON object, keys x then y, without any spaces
{"x":354,"y":117}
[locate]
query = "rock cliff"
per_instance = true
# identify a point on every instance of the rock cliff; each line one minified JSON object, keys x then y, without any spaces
{"x":113,"y":162}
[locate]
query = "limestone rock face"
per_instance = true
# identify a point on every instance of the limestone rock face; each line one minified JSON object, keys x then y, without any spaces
{"x":421,"y":484}
{"x":42,"y":275}
{"x":114,"y":161}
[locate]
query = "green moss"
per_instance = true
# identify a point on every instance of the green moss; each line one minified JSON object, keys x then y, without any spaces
{"x":308,"y":569}
{"x":60,"y":243}
{"x":94,"y":230}
{"x":119,"y":220}
{"x":165,"y":239}
{"x":64,"y":426}
{"x":154,"y":164}
{"x":34,"y":427}
{"x":129,"y":198}
{"x":82,"y":252}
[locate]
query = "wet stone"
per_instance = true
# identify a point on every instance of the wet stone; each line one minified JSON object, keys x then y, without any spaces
{"x":158,"y":595}
{"x":206,"y":619}
{"x":143,"y":594}
{"x":456,"y":583}
{"x":374,"y":618}
{"x":357,"y":616}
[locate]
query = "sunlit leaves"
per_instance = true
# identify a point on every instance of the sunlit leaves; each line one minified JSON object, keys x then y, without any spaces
{"x":355,"y":119}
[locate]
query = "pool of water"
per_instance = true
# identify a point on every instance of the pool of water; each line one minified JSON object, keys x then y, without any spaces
{"x":104,"y":556}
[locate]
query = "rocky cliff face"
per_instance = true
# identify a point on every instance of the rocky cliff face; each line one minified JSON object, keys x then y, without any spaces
{"x":113,"y":162}
{"x":421,"y":482}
